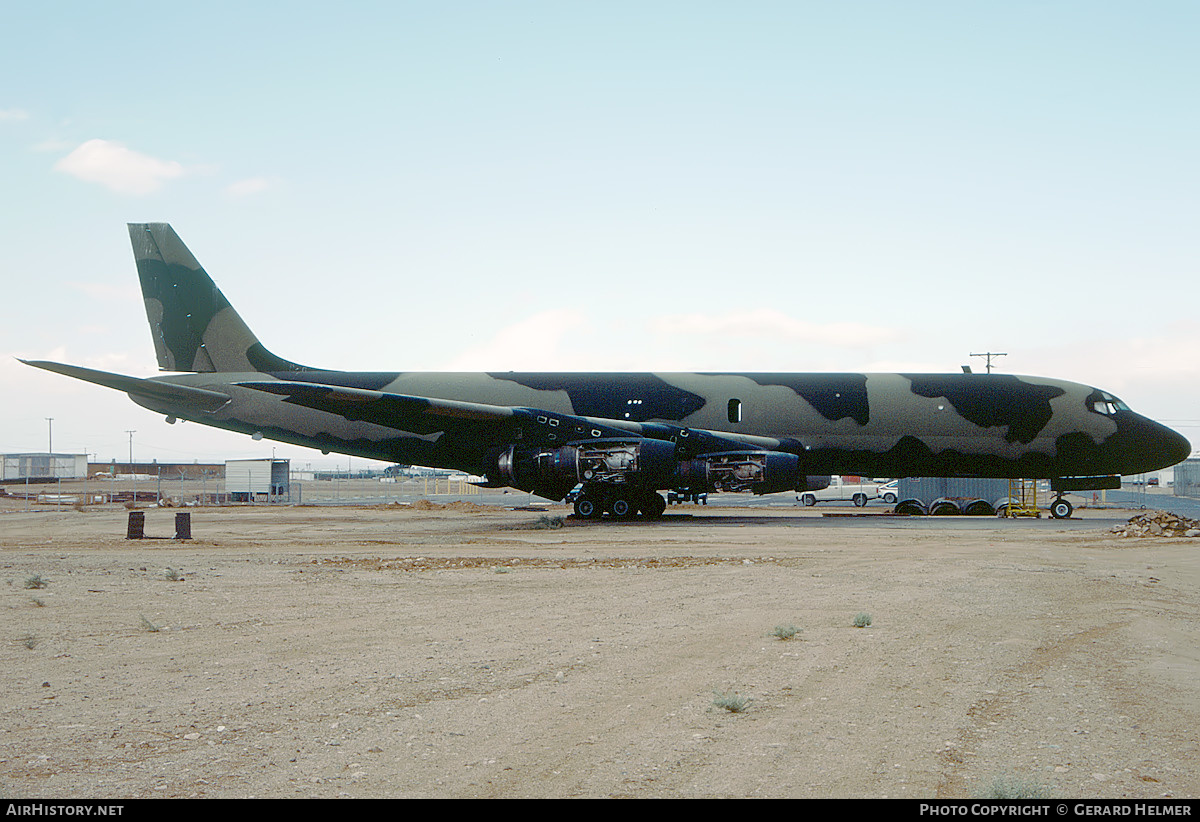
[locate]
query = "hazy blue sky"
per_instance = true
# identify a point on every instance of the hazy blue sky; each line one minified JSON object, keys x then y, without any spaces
{"x":794,"y":186}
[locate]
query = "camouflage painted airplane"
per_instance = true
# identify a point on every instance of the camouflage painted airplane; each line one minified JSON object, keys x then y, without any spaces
{"x":626,"y":436}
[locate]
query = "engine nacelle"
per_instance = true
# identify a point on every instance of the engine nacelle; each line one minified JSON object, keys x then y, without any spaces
{"x":552,"y":472}
{"x":760,"y":472}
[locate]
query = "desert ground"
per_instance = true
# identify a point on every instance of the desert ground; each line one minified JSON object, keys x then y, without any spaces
{"x":478,"y":651}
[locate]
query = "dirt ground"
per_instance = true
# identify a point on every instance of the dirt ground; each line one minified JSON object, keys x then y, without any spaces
{"x":466,"y":652}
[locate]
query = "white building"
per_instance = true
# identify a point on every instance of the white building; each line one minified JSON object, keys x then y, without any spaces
{"x":42,"y":466}
{"x":247,"y":480}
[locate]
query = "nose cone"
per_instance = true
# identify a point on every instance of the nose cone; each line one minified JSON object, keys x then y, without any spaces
{"x":1144,"y":445}
{"x":1178,"y":449}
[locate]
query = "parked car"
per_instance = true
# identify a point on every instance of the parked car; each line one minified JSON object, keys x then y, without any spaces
{"x":889,"y":492}
{"x":858,"y":491}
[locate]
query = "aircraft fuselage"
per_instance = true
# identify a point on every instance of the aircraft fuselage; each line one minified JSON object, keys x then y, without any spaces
{"x":870,"y":424}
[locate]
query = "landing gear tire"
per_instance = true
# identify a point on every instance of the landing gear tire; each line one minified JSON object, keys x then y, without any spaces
{"x":588,"y":508}
{"x":622,"y":508}
{"x":653,"y":505}
{"x":1061,"y":509}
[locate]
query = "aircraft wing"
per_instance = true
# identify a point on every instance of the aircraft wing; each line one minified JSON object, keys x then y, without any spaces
{"x":427,"y":415}
{"x":504,"y":424}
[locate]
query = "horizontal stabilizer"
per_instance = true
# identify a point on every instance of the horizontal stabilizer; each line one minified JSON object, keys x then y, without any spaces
{"x":180,"y":395}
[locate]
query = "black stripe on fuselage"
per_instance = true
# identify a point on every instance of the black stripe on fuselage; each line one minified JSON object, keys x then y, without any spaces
{"x":635,"y":397}
{"x":991,"y":400}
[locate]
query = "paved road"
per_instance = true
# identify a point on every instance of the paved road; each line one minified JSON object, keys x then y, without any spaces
{"x":1132,"y":498}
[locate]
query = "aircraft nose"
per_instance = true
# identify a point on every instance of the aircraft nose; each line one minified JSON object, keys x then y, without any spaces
{"x":1178,"y":448}
{"x":1149,"y":446}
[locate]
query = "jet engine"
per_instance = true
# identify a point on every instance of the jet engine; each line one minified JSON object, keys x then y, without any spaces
{"x":761,"y":472}
{"x":552,"y":472}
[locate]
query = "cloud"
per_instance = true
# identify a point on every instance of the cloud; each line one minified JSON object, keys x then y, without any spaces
{"x":1158,"y":375}
{"x":248,"y":187}
{"x":52,"y":146}
{"x":772,"y":324}
{"x":591,"y":338}
{"x":118,"y":168}
{"x":13,"y":115}
{"x":125,"y":294}
{"x":534,"y":343}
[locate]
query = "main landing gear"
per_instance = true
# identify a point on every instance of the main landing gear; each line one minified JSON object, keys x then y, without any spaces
{"x":621,"y":503}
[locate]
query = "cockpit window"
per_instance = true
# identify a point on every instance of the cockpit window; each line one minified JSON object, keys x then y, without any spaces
{"x":1106,"y":404}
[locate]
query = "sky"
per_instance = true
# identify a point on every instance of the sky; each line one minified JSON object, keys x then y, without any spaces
{"x":649,"y":186}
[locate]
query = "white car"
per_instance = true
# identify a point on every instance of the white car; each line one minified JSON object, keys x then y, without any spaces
{"x":889,"y":492}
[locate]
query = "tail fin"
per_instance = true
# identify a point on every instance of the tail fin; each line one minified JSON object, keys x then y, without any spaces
{"x":194,"y":327}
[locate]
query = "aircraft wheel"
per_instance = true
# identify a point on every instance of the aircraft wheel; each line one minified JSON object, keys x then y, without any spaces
{"x":653,"y":505}
{"x":587,"y":508}
{"x":860,"y":500}
{"x":1061,"y":509}
{"x":622,"y":508}
{"x":809,"y":500}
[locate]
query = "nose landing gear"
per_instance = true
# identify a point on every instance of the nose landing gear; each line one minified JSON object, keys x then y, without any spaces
{"x":1060,"y":508}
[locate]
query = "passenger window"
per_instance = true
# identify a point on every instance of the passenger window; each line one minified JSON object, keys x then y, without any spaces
{"x":735,"y":410}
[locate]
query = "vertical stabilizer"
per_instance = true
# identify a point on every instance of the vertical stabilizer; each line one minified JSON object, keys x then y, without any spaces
{"x":194,"y":327}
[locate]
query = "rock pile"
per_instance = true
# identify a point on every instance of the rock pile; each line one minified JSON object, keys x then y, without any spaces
{"x":1158,"y":524}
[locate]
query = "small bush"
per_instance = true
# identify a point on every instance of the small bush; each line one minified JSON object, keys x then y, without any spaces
{"x":862,"y":620}
{"x":36,"y":581}
{"x":730,"y":701}
{"x":172,"y":575}
{"x":150,"y":626}
{"x":785,"y":632}
{"x":547,"y":523}
{"x":29,"y":642}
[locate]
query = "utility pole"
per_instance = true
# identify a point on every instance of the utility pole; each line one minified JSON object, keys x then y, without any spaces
{"x":50,"y":428}
{"x":989,"y":355}
{"x":132,"y":473}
